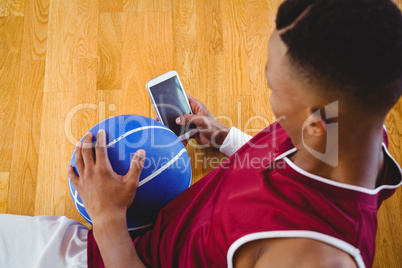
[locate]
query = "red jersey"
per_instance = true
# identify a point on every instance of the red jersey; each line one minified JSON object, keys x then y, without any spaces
{"x":259,"y":193}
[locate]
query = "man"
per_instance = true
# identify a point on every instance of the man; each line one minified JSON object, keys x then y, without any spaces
{"x":335,"y":70}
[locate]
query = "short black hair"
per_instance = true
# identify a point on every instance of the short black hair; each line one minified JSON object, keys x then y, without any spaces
{"x":351,"y":47}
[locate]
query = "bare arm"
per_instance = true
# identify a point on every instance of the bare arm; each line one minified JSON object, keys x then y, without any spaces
{"x":106,"y":196}
{"x":115,"y":244}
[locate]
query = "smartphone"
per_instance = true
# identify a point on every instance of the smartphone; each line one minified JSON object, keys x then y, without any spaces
{"x":170,"y":101}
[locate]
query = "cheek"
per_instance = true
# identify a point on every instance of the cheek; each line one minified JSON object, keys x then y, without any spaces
{"x":276,"y":105}
{"x":281,"y":112}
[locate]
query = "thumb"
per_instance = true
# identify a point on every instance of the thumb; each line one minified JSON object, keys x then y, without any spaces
{"x":74,"y":179}
{"x":198,"y":120}
{"x":136,"y":165}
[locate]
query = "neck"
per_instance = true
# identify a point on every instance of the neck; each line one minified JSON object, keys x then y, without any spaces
{"x":360,"y":158}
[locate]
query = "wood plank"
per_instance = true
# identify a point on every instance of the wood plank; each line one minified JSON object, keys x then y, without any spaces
{"x":111,"y":5}
{"x":4,"y":181}
{"x":111,"y":103}
{"x":216,"y":97}
{"x":209,"y":27}
{"x":390,"y":212}
{"x":55,"y":151}
{"x":24,"y":168}
{"x":259,"y":19}
{"x":260,"y":23}
{"x":110,"y":51}
{"x":185,"y":53}
{"x":147,"y":6}
{"x":398,"y":3}
{"x":393,"y":123}
{"x":147,"y":53}
{"x":11,"y":29}
{"x":36,"y":19}
{"x":235,"y":48}
{"x":12,"y":8}
{"x":136,"y":70}
{"x":86,"y":37}
{"x":8,"y":111}
{"x":388,"y":256}
{"x":261,"y":108}
{"x":60,"y":46}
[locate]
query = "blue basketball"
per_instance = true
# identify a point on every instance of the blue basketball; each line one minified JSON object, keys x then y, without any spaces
{"x":166,"y":172}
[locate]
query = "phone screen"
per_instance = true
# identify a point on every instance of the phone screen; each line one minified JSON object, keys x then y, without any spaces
{"x":171,"y":103}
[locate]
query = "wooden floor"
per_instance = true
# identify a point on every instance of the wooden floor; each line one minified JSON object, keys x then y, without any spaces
{"x":66,"y":65}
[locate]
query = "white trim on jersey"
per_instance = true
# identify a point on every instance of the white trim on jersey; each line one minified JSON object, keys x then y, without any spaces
{"x":340,"y":184}
{"x":344,"y":246}
{"x":291,"y":151}
{"x":140,"y":227}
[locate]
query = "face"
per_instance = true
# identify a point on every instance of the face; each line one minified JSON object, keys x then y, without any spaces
{"x":288,"y":102}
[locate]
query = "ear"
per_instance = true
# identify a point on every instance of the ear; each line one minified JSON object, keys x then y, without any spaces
{"x":315,"y":123}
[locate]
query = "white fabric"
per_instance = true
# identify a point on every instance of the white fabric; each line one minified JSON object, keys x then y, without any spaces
{"x":42,"y":241}
{"x":234,"y":141}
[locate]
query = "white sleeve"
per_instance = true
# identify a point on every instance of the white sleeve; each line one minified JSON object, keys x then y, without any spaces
{"x":233,"y":141}
{"x":42,"y":241}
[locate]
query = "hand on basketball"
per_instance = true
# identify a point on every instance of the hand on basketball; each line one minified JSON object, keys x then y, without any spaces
{"x":211,"y":132}
{"x":104,"y":193}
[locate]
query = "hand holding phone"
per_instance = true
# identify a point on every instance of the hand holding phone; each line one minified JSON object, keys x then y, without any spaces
{"x":211,"y":133}
{"x":170,"y":102}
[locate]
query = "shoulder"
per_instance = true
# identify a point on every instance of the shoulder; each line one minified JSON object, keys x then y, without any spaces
{"x":291,"y":252}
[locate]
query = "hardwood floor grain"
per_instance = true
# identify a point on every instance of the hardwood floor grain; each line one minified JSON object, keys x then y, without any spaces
{"x":36,"y":19}
{"x":86,"y":36}
{"x":60,"y":46}
{"x":111,"y":6}
{"x":24,"y":166}
{"x":4,"y":182}
{"x":110,"y":51}
{"x":11,"y":32}
{"x":67,"y":65}
{"x":12,"y":8}
{"x":235,"y":48}
{"x":147,"y":6}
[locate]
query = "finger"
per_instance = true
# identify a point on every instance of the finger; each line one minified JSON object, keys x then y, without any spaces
{"x":156,"y":118}
{"x":194,"y":104}
{"x":190,"y":97}
{"x":72,"y":175}
{"x":101,"y":148}
{"x":87,"y":150}
{"x":79,"y":162}
{"x":137,"y":163}
{"x":198,"y":120}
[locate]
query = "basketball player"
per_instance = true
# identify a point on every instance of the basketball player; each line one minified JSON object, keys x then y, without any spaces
{"x":302,"y":193}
